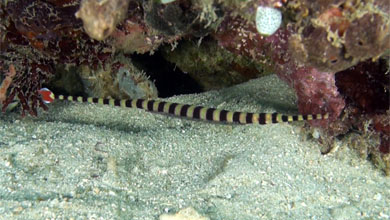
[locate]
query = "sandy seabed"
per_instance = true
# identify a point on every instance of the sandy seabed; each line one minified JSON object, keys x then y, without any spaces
{"x":85,"y":161}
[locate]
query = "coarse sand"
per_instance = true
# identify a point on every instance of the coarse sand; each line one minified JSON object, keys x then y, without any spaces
{"x":86,"y":161}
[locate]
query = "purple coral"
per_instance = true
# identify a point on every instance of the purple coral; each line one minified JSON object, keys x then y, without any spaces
{"x":316,"y":90}
{"x":37,"y":36}
{"x":25,"y":87}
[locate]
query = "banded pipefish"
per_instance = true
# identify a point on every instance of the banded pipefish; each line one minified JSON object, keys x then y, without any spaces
{"x":187,"y":111}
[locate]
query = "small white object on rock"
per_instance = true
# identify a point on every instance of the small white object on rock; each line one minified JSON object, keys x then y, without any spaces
{"x":268,"y":20}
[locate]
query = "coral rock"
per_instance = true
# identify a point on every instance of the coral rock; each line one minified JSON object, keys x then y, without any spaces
{"x":367,"y":37}
{"x":100,"y":17}
{"x":335,"y":35}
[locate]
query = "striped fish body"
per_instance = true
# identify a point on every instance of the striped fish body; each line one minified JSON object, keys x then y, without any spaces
{"x":188,"y":111}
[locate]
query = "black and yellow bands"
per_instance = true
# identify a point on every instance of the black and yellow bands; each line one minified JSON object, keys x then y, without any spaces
{"x":198,"y":112}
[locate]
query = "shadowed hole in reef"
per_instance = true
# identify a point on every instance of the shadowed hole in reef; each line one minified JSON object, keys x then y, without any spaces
{"x":168,"y":78}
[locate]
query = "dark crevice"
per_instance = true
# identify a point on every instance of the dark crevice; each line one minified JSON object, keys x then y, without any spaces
{"x":168,"y":78}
